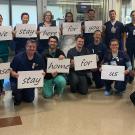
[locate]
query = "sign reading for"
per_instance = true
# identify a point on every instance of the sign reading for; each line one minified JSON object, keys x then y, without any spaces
{"x":85,"y":62}
{"x":6,"y":33}
{"x":26,"y":30}
{"x":71,"y":28}
{"x":111,"y":72}
{"x":61,"y":66}
{"x":30,"y":79}
{"x":92,"y":26}
{"x":4,"y":70}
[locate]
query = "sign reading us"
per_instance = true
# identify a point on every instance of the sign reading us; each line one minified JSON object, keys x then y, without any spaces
{"x":46,"y":32}
{"x":85,"y":62}
{"x":30,"y":79}
{"x":6,"y":33}
{"x":61,"y":66}
{"x":26,"y":30}
{"x":73,"y":28}
{"x":111,"y":72}
{"x":92,"y":26}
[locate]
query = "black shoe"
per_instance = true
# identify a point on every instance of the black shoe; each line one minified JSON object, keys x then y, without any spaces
{"x":16,"y":103}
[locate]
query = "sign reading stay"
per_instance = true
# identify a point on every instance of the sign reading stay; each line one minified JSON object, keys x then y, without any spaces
{"x":30,"y":79}
{"x":61,"y":66}
{"x":111,"y":72}
{"x":73,"y":28}
{"x":6,"y":33}
{"x":92,"y":26}
{"x":85,"y":62}
{"x":26,"y":30}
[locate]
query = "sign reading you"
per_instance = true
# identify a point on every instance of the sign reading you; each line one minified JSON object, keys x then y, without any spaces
{"x":30,"y":79}
{"x":85,"y":62}
{"x":6,"y":33}
{"x":46,"y":32}
{"x":72,"y":28}
{"x":26,"y":30}
{"x":111,"y":72}
{"x":61,"y":66}
{"x":92,"y":26}
{"x":4,"y":70}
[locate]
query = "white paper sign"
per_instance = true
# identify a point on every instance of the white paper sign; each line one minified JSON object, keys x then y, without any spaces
{"x":6,"y":33}
{"x":26,"y":30}
{"x":110,"y":72}
{"x":61,"y":66}
{"x":85,"y":62}
{"x":46,"y":32}
{"x":4,"y":70}
{"x":92,"y":26}
{"x":30,"y":79}
{"x":72,"y":28}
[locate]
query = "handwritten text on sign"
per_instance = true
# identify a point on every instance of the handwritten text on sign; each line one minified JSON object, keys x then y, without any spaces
{"x":26,"y":30}
{"x":61,"y":66}
{"x":30,"y":79}
{"x":85,"y":62}
{"x":4,"y":70}
{"x":110,"y":72}
{"x":71,"y":28}
{"x":92,"y":26}
{"x":6,"y":33}
{"x":46,"y":32}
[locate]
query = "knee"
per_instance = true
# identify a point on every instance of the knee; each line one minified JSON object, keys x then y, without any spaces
{"x":60,"y":81}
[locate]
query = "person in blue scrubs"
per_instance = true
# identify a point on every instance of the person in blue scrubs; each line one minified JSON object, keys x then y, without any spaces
{"x":47,"y":22}
{"x":130,"y":40}
{"x":114,"y":29}
{"x":97,"y":47}
{"x":20,"y":43}
{"x":27,"y":60}
{"x":117,"y":58}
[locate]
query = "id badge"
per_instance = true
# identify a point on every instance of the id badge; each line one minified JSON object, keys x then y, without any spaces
{"x":113,"y":63}
{"x":113,"y":29}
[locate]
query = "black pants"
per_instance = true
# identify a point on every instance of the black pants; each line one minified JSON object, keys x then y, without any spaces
{"x":78,"y":83}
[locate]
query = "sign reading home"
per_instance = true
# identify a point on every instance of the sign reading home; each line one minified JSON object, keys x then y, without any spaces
{"x":46,"y":32}
{"x":71,"y":28}
{"x":26,"y":30}
{"x":61,"y":66}
{"x":30,"y":79}
{"x":92,"y":26}
{"x":85,"y":62}
{"x":110,"y":72}
{"x":4,"y":70}
{"x":6,"y":33}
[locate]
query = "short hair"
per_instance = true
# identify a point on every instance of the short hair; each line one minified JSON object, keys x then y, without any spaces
{"x":114,"y":40}
{"x":45,"y":13}
{"x":1,"y":16}
{"x":89,"y":10}
{"x":70,"y":14}
{"x":79,"y":36}
{"x":97,"y":31}
{"x":110,"y":11}
{"x":132,"y":12}
{"x":24,"y":13}
{"x":54,"y":37}
{"x":32,"y":41}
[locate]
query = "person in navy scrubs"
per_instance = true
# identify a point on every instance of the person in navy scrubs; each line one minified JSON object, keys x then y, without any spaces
{"x":27,"y":60}
{"x":114,"y":29}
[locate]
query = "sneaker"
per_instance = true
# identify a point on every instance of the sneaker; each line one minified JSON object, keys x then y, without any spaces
{"x":107,"y":93}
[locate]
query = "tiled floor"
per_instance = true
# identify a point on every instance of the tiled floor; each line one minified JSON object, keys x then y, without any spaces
{"x":93,"y":114}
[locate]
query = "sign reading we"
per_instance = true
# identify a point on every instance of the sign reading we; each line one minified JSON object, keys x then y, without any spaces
{"x":6,"y":33}
{"x":61,"y":66}
{"x":92,"y":26}
{"x":73,"y":28}
{"x":111,"y":72}
{"x":26,"y":30}
{"x":4,"y":70}
{"x":85,"y":62}
{"x":30,"y":79}
{"x":46,"y":32}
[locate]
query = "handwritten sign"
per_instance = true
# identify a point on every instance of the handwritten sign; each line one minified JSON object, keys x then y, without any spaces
{"x":92,"y":26}
{"x":30,"y":79}
{"x":4,"y":70}
{"x":6,"y":33}
{"x":26,"y":30}
{"x":61,"y":66}
{"x":111,"y":72}
{"x":46,"y":32}
{"x":71,"y":28}
{"x":85,"y":62}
